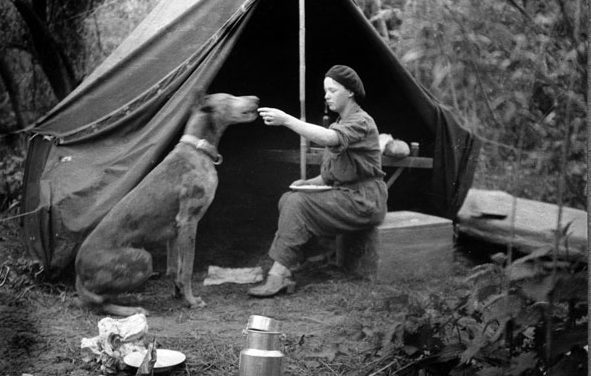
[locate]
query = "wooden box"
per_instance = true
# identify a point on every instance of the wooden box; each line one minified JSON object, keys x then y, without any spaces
{"x":407,"y":245}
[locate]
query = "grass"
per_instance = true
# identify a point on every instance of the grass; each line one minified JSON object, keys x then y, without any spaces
{"x":335,"y":323}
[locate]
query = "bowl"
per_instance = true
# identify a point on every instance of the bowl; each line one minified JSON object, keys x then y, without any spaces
{"x":165,"y":359}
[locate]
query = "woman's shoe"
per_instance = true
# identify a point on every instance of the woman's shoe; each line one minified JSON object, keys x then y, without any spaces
{"x":273,"y":286}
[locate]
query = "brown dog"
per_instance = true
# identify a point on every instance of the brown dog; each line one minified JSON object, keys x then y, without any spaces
{"x":164,"y":208}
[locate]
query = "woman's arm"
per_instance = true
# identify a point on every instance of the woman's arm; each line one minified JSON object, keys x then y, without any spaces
{"x":312,"y":132}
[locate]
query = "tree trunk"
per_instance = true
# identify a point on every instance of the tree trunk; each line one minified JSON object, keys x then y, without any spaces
{"x":53,"y":61}
{"x":12,"y":90}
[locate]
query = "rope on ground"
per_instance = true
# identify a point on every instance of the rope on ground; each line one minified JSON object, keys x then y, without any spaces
{"x":6,"y":219}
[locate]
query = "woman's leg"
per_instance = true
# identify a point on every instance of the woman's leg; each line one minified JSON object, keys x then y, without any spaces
{"x":304,"y":215}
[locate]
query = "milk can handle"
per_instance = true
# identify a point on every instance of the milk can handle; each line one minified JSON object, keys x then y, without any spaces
{"x":282,"y":337}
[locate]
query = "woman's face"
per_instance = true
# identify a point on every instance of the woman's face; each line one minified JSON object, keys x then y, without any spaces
{"x":336,"y":95}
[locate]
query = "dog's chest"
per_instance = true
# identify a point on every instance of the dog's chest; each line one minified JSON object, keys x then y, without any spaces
{"x":185,"y":159}
{"x":190,"y":170}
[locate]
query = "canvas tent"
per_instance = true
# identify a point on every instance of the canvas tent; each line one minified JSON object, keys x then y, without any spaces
{"x":100,"y":141}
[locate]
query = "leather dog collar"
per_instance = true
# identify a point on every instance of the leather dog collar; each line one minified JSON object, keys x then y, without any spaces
{"x":203,"y":145}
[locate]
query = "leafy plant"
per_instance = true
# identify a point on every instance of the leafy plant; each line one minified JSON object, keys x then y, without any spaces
{"x":506,"y":68}
{"x":499,"y":326}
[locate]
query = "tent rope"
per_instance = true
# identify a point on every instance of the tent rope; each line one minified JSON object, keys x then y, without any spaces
{"x":6,"y":219}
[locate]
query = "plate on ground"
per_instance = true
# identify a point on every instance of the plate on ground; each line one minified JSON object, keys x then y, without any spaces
{"x":310,"y":188}
{"x":165,"y":359}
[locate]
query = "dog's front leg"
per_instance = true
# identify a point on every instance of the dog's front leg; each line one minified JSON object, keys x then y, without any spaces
{"x":186,"y":250}
{"x":191,"y":209}
{"x":173,"y":265}
{"x":172,"y":258}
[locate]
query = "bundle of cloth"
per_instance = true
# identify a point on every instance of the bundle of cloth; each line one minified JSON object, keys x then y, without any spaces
{"x":392,"y":147}
{"x":116,"y":339}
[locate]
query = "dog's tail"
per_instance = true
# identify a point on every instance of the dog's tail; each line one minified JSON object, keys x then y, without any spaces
{"x":86,"y":295}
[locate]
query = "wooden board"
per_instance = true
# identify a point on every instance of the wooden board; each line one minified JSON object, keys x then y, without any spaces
{"x":487,"y":215}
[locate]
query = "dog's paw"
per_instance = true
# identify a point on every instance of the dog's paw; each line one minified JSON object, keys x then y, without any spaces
{"x":119,"y":310}
{"x":177,"y":293}
{"x":155,"y":275}
{"x":142,"y":311}
{"x":170,"y":273}
{"x":196,"y":302}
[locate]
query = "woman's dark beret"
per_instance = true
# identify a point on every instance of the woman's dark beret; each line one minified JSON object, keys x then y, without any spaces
{"x":347,"y":77}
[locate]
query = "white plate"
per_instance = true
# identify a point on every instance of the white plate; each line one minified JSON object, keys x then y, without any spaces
{"x":310,"y":188}
{"x":165,"y":359}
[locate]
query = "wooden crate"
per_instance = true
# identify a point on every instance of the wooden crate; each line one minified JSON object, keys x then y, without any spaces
{"x":407,"y":245}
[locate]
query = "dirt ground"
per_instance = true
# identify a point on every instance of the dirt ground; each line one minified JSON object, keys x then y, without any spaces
{"x":332,"y":322}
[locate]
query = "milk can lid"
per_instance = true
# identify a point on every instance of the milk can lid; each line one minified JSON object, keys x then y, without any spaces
{"x":264,"y":323}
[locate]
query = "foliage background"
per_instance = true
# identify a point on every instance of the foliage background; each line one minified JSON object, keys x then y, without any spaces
{"x":515,"y":73}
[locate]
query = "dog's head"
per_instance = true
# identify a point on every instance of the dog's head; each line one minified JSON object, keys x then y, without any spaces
{"x":228,"y":109}
{"x":212,"y":113}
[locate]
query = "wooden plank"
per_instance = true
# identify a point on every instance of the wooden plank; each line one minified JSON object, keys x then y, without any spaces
{"x":409,"y":162}
{"x":486,"y":215}
{"x":314,"y":157}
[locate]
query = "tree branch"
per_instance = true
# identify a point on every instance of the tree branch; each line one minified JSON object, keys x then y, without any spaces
{"x":570,"y":29}
{"x":521,"y":10}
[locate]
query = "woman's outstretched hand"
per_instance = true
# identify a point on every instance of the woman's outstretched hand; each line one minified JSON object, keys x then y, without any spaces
{"x":273,"y":116}
{"x":311,"y":132}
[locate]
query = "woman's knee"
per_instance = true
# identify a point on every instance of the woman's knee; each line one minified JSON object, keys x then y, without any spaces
{"x":290,"y":201}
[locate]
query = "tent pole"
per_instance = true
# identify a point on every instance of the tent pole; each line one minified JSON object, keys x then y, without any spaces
{"x":302,"y":38}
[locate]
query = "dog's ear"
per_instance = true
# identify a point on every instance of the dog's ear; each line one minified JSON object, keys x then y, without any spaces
{"x":206,"y":105}
{"x":196,"y":98}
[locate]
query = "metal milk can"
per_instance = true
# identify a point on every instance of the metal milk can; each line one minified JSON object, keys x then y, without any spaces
{"x":262,"y":355}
